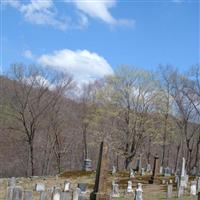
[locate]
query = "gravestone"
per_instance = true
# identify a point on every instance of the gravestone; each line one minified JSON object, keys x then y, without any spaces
{"x":180,"y":191}
{"x":183,"y":175}
{"x":115,"y":189}
{"x":9,"y":193}
{"x":114,"y":170}
{"x":39,"y":187}
{"x":177,"y":181}
{"x":87,"y":165}
{"x":169,"y":190}
{"x":17,"y":193}
{"x":198,"y":184}
{"x":129,"y":187}
{"x":142,"y":171}
{"x":67,"y":186}
{"x":43,"y":196}
{"x":76,"y":194}
{"x":138,"y":192}
{"x":148,"y":168}
{"x":161,"y":170}
{"x":83,"y":187}
{"x":167,"y":171}
{"x":100,"y":187}
{"x":12,"y":182}
{"x":28,"y":195}
{"x":132,"y":173}
{"x":193,"y":188}
{"x":155,"y":170}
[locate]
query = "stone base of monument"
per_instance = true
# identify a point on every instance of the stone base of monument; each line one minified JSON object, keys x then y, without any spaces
{"x":99,"y":196}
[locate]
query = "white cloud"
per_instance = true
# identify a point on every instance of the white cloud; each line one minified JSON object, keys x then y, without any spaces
{"x":100,"y":10}
{"x":28,"y":54}
{"x":42,"y":13}
{"x":82,"y":64}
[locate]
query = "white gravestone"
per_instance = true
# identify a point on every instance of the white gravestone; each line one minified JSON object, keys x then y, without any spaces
{"x":114,"y":170}
{"x":56,"y":195}
{"x":67,"y":186}
{"x":130,"y":187}
{"x":132,"y":173}
{"x":76,"y":193}
{"x":115,"y":189}
{"x":183,"y":175}
{"x":138,"y":192}
{"x":193,"y":188}
{"x":142,"y":171}
{"x":40,"y":187}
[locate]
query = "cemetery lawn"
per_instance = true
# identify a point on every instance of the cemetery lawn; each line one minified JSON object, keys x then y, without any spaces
{"x":150,"y":192}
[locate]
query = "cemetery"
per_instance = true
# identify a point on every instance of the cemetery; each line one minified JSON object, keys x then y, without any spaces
{"x":104,"y":184}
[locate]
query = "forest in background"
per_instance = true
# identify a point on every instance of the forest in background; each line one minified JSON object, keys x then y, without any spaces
{"x":50,"y":124}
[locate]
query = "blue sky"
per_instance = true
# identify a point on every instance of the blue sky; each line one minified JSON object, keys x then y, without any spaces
{"x":90,"y":38}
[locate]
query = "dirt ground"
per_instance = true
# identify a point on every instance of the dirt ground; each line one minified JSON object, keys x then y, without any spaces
{"x":150,"y":192}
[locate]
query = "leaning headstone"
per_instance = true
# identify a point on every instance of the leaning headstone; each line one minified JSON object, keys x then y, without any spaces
{"x":67,"y":186}
{"x":114,"y":170}
{"x":193,"y":188}
{"x":169,"y":191}
{"x":28,"y":195}
{"x":83,"y":187}
{"x":43,"y":196}
{"x":138,"y":192}
{"x":76,"y":194}
{"x":115,"y":190}
{"x":17,"y":193}
{"x":129,"y":187}
{"x":155,"y":170}
{"x":12,"y":182}
{"x":39,"y":187}
{"x":100,"y":187}
{"x":9,"y":193}
{"x":87,"y":165}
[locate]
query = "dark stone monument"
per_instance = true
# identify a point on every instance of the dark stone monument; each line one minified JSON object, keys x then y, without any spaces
{"x":87,"y":165}
{"x":100,"y":187}
{"x":198,"y":195}
{"x":139,"y":164}
{"x":155,"y":170}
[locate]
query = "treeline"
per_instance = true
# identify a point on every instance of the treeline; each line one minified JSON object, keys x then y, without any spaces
{"x":48,"y":124}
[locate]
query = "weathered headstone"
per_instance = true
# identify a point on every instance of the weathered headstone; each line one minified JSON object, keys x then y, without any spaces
{"x":169,"y":190}
{"x":9,"y":193}
{"x":56,"y":195}
{"x":132,"y":173}
{"x":115,"y":189}
{"x":142,"y":171}
{"x":155,"y":170}
{"x":43,"y":196}
{"x":129,"y":187}
{"x":76,"y":193}
{"x":148,"y":168}
{"x":12,"y":182}
{"x":180,"y":191}
{"x":87,"y":165}
{"x":28,"y":195}
{"x":193,"y":188}
{"x":67,"y":186}
{"x":83,"y":187}
{"x":39,"y":187}
{"x":167,"y":171}
{"x":198,"y":184}
{"x":161,"y":170}
{"x":17,"y":193}
{"x":138,"y":192}
{"x":114,"y":170}
{"x":100,"y":187}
